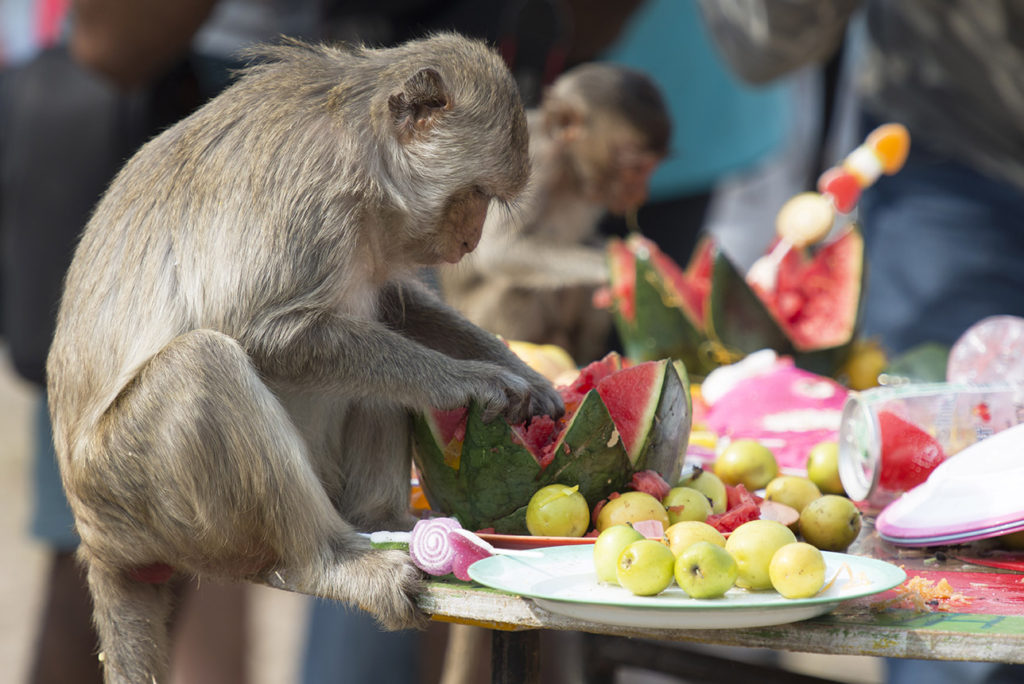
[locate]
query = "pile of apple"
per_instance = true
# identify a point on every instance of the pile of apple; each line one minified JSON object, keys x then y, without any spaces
{"x":707,"y":561}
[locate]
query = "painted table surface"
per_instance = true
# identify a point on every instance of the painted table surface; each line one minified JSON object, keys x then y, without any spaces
{"x":988,"y":627}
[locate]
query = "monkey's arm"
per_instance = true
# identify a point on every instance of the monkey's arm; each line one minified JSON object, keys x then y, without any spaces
{"x":329,"y":351}
{"x":414,"y":311}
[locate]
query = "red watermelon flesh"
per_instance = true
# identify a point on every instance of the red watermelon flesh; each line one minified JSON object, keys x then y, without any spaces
{"x":449,"y":428}
{"x":816,"y":298}
{"x":450,"y":425}
{"x":741,"y":507}
{"x":622,"y":264}
{"x":540,"y":436}
{"x":589,"y":377}
{"x":908,"y":453}
{"x":632,"y":396}
{"x":542,"y":433}
{"x":691,"y":286}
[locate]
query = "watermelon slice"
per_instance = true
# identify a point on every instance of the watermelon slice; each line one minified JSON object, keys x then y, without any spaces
{"x":908,"y":453}
{"x":631,"y":396}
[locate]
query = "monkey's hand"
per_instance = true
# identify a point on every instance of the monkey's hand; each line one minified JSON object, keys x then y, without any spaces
{"x":500,"y":392}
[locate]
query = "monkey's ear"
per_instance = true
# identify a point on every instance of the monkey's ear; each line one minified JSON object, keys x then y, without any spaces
{"x":416,"y":107}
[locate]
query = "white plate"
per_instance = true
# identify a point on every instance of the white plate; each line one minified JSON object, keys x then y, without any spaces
{"x":562,"y":581}
{"x":974,"y":494}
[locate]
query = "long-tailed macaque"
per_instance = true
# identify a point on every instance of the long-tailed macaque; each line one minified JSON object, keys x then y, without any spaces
{"x":241,"y":336}
{"x":595,"y":140}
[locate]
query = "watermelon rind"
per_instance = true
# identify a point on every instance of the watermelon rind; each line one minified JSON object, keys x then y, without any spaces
{"x":670,"y":429}
{"x":494,"y":475}
{"x":498,"y":473}
{"x":737,"y":318}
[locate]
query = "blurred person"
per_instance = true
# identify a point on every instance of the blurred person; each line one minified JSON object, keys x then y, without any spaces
{"x":944,"y":237}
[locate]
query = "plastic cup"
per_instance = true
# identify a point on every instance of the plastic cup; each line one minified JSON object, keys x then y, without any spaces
{"x":891,"y":438}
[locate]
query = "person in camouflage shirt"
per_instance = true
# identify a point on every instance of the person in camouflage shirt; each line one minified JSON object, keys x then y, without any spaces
{"x":945,"y":236}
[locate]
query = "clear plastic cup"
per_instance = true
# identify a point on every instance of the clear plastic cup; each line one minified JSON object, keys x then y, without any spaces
{"x":891,"y":438}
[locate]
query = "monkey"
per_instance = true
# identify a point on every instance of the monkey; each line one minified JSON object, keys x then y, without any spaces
{"x":596,"y":138}
{"x":242,"y":335}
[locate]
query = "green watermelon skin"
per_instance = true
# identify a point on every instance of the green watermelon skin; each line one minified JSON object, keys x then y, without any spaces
{"x":590,"y":453}
{"x":738,"y":319}
{"x":670,"y":432}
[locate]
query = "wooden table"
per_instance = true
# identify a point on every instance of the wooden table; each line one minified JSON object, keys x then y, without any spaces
{"x":990,"y":627}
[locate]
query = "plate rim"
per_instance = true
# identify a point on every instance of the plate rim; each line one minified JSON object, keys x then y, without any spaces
{"x":659,"y":603}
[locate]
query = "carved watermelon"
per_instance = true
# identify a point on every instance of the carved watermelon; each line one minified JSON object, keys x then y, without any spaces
{"x":658,"y":308}
{"x":485,"y":473}
{"x":709,"y":314}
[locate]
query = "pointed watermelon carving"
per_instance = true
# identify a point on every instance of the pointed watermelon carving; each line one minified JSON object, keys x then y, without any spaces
{"x":632,"y":396}
{"x":658,"y":308}
{"x":709,"y":314}
{"x":600,"y":442}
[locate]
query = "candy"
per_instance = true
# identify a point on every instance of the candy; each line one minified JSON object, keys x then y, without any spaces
{"x":864,"y":164}
{"x":891,"y":144}
{"x":804,"y":219}
{"x":842,"y":187}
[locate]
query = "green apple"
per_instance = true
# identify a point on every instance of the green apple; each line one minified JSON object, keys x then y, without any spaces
{"x":631,"y":507}
{"x":710,"y":485}
{"x":746,"y":462}
{"x":645,"y":567}
{"x":557,"y":511}
{"x":797,"y":570}
{"x":608,"y":547}
{"x":682,"y":534}
{"x":685,"y":503}
{"x":753,"y":544}
{"x":705,"y":570}
{"x":831,"y":522}
{"x":792,"y":490}
{"x":823,"y":467}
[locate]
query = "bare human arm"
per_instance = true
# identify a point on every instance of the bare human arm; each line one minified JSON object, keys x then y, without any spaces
{"x":765,"y":39}
{"x":132,"y":42}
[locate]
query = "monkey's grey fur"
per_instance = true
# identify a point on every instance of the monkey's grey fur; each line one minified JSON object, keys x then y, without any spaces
{"x":240,"y":338}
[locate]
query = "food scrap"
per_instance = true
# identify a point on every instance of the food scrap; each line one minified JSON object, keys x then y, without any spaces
{"x":923,"y":595}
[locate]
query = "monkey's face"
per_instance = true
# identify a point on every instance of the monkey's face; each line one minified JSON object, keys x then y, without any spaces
{"x":615,"y":168}
{"x":629,"y":181}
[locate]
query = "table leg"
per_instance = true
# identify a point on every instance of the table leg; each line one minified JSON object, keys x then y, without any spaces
{"x":515,"y":657}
